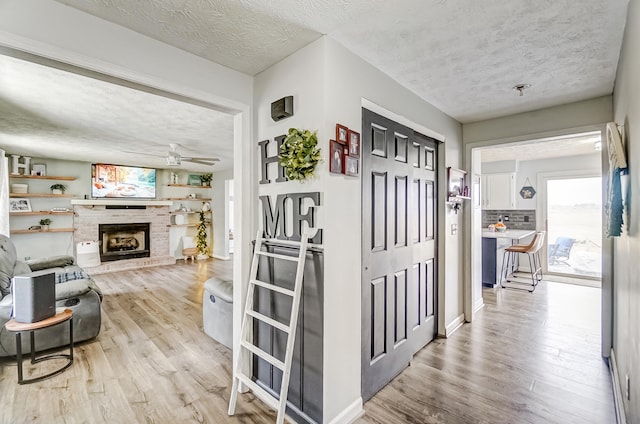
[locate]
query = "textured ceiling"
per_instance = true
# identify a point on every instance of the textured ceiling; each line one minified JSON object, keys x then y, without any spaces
{"x":463,"y":56}
{"x":543,"y":149}
{"x":46,"y":112}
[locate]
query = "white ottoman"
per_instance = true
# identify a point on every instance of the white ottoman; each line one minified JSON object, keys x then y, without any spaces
{"x":217,"y":310}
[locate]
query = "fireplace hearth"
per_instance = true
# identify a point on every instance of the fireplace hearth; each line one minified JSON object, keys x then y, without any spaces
{"x":124,"y":241}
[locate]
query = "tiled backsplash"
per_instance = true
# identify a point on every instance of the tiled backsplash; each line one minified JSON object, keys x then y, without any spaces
{"x":519,"y":219}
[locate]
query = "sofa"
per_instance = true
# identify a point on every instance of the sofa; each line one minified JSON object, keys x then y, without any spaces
{"x":75,"y":290}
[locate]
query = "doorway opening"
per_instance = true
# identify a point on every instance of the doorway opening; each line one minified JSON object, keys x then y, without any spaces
{"x":557,"y":183}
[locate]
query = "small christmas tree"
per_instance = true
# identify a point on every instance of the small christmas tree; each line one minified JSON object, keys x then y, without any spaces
{"x":201,"y":236}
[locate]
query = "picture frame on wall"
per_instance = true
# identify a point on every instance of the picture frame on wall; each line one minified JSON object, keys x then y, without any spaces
{"x":353,"y":143}
{"x":351,"y":166}
{"x":336,"y":150}
{"x":194,"y":180}
{"x":342,"y":134}
{"x":39,"y":169}
{"x":19,"y":205}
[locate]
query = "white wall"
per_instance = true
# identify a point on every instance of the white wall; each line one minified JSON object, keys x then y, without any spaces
{"x":47,"y":244}
{"x":220,"y":208}
{"x":53,"y":30}
{"x":531,"y":168}
{"x":325,"y":94}
{"x":626,"y":105}
{"x":553,"y":119}
{"x":346,"y":87}
{"x":67,"y":34}
{"x":40,"y":245}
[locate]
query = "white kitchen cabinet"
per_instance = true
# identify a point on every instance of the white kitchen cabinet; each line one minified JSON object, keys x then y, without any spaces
{"x":498,"y":191}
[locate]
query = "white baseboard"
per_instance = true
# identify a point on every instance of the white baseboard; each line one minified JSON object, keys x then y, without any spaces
{"x":617,"y":390}
{"x":479,"y":304}
{"x":350,"y":413}
{"x":454,"y":325}
{"x":224,"y":258}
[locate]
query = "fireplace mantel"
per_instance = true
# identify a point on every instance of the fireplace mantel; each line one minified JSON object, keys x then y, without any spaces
{"x":105,"y":202}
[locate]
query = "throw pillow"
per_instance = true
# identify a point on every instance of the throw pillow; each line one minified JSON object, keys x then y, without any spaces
{"x":50,"y":262}
{"x":69,"y":276}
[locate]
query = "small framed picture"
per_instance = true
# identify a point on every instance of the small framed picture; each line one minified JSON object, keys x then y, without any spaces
{"x":337,"y":157}
{"x":39,"y":169}
{"x":354,"y":144}
{"x":19,"y":205}
{"x":342,"y":134}
{"x":351,"y":166}
{"x":194,"y":180}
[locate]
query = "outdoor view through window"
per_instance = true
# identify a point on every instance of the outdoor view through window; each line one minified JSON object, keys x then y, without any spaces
{"x":574,"y":214}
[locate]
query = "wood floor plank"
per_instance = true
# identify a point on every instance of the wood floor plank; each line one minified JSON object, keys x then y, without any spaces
{"x":528,"y":358}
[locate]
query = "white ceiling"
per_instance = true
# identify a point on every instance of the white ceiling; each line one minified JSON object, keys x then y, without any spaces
{"x":464,"y":57}
{"x":584,"y":144}
{"x":51,"y":113}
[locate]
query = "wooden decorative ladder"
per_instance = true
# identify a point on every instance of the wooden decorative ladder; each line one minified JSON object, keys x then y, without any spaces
{"x":247,"y":346}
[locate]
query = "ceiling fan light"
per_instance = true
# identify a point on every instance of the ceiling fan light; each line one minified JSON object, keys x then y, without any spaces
{"x":173,"y":160}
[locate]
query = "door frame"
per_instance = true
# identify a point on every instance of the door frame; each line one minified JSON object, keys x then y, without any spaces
{"x":473,"y":276}
{"x":244,"y":170}
{"x":541,"y":205}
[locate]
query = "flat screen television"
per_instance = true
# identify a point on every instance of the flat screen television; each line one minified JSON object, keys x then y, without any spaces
{"x":126,"y":182}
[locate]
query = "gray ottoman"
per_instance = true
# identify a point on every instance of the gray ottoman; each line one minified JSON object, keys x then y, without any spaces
{"x":217,"y":310}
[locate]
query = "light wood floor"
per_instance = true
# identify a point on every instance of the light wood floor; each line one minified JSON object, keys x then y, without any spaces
{"x":151,"y":363}
{"x":529,"y":358}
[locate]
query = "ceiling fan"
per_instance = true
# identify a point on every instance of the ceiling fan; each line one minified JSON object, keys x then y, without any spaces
{"x":174,"y":158}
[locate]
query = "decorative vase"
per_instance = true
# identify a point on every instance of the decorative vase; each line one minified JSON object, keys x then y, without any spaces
{"x":56,"y":191}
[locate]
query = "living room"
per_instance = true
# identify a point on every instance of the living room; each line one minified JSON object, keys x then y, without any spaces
{"x":327,"y":96}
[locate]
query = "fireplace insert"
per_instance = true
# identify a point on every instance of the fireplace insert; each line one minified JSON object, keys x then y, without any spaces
{"x":124,"y":241}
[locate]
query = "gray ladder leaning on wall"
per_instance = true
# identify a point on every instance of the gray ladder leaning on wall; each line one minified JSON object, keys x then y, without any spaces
{"x":247,"y":347}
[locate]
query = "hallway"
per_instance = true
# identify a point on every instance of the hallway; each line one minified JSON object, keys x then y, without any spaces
{"x":528,"y":358}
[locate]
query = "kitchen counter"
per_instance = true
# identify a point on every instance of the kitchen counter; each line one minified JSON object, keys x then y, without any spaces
{"x":493,"y":245}
{"x":509,"y":234}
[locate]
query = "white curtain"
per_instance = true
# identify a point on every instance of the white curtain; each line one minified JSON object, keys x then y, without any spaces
{"x":4,"y":194}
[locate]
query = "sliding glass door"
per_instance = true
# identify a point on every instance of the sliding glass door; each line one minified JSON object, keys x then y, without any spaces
{"x":574,"y":226}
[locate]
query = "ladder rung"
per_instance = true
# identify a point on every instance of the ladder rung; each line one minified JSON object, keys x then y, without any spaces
{"x":277,"y":256}
{"x":273,"y":287}
{"x":264,"y":355}
{"x":283,"y":242}
{"x":270,"y":321}
{"x":261,"y":393}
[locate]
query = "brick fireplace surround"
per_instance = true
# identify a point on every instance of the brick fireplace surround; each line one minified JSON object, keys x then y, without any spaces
{"x":89,"y":213}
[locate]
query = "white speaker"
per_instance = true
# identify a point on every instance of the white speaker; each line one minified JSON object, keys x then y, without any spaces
{"x":88,"y":254}
{"x":34,"y":296}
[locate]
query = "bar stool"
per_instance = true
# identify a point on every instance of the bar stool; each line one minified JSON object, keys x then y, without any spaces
{"x":509,"y":266}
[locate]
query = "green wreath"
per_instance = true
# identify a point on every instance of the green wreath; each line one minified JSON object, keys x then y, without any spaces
{"x":299,"y":154}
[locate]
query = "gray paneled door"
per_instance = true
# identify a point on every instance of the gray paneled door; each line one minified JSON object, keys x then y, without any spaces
{"x":399,"y":240}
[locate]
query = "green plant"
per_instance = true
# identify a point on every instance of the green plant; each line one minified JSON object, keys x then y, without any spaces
{"x":201,"y":235}
{"x":206,"y":179}
{"x":45,"y":221}
{"x":299,"y":154}
{"x":58,"y":186}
